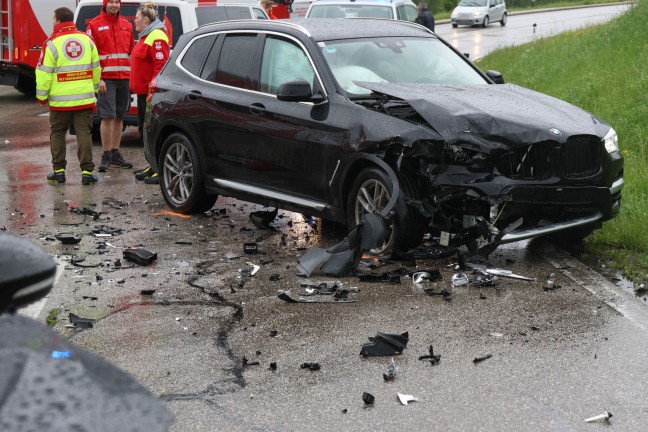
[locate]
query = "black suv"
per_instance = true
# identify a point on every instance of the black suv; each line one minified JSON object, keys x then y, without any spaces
{"x":336,"y":118}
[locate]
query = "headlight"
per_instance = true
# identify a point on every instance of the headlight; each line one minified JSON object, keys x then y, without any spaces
{"x":454,"y":15}
{"x":477,"y":13}
{"x":611,"y":141}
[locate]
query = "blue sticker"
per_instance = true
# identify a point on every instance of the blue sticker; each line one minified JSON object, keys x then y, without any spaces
{"x":61,"y":354}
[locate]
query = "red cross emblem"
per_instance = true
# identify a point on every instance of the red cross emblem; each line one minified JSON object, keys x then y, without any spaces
{"x":73,"y":49}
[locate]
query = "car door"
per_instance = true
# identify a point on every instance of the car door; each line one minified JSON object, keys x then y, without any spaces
{"x":495,"y":10}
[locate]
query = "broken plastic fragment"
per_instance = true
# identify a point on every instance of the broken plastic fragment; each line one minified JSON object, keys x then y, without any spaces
{"x":599,"y":418}
{"x":285,"y":296}
{"x":392,"y":370}
{"x":79,"y":322}
{"x":405,"y":399}
{"x":311,"y":366}
{"x":139,"y":256}
{"x":434,"y":359}
{"x":262,"y":219}
{"x":384,"y":344}
{"x":368,"y":398}
{"x":482,"y":358}
{"x":426,"y":276}
{"x":459,"y":279}
{"x":67,"y":238}
{"x":255,"y":268}
{"x":247,"y":362}
{"x":250,"y":248}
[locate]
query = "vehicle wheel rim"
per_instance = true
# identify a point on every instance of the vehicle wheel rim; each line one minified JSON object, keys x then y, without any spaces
{"x":372,"y":197}
{"x":178,"y":173}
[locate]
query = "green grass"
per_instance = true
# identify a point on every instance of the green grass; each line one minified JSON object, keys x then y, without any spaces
{"x":602,"y":69}
{"x":52,"y":317}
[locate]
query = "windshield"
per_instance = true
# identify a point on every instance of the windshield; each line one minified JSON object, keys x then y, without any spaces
{"x":350,"y":11}
{"x":473,"y":3}
{"x":396,"y":60}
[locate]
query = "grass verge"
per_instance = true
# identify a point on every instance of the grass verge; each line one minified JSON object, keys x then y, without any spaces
{"x":601,"y":69}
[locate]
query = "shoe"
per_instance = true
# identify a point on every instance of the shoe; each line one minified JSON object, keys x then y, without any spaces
{"x":87,"y":178}
{"x":105,"y":161}
{"x":152,"y":179}
{"x":117,"y":160}
{"x":146,"y":172}
{"x":58,"y":176}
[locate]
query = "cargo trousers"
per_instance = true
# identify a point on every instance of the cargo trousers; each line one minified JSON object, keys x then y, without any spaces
{"x":59,"y":125}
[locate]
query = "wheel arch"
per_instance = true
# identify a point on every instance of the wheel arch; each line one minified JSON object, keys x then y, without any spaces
{"x":166,"y":132}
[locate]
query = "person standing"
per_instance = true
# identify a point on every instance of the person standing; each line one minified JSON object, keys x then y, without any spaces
{"x":267,"y":5}
{"x":67,"y":76}
{"x":113,"y":36}
{"x":147,"y":59}
{"x":425,"y":18}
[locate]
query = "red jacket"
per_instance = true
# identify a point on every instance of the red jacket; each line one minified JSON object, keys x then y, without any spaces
{"x":147,"y":59}
{"x":113,"y":36}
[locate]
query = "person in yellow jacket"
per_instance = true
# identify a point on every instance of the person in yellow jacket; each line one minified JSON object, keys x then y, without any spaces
{"x":67,"y":77}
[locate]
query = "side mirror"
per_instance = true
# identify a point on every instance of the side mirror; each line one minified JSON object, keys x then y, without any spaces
{"x":297,"y":90}
{"x":26,"y":272}
{"x":495,"y":76}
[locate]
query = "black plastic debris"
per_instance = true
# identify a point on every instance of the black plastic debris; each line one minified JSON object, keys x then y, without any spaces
{"x":147,"y":291}
{"x":250,"y":248}
{"x":79,"y":322}
{"x":384,"y":344}
{"x":392,"y":277}
{"x":67,"y":238}
{"x":247,"y":362}
{"x":368,"y":398}
{"x":391,"y":372}
{"x":273,"y":366}
{"x":433,"y":359}
{"x":285,"y":296}
{"x":140,"y":256}
{"x":274,"y":277}
{"x":262,"y":219}
{"x":482,"y":358}
{"x":311,"y":366}
{"x":85,"y":211}
{"x":273,"y":333}
{"x":445,"y":293}
{"x":106,"y":231}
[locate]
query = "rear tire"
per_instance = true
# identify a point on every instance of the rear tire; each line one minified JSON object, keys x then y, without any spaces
{"x":181,"y":176}
{"x":370,"y":192}
{"x":485,"y":23}
{"x":26,"y":85}
{"x":503,"y":22}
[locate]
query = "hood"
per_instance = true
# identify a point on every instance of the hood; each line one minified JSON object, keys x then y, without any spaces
{"x":493,"y":115}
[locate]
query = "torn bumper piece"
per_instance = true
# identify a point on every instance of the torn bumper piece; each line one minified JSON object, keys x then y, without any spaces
{"x":140,"y":256}
{"x":384,"y":344}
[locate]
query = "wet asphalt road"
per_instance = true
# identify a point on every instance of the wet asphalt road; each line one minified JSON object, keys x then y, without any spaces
{"x":558,"y":356}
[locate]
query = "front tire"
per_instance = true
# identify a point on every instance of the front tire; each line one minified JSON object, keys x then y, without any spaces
{"x":455,"y":25}
{"x":485,"y":23}
{"x":370,"y":192}
{"x":503,"y":22}
{"x":181,"y":176}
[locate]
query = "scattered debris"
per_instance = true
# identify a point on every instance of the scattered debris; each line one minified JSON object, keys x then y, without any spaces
{"x":285,"y":296}
{"x":67,"y":238}
{"x":247,"y":362}
{"x":184,"y":242}
{"x":384,"y":344}
{"x":78,"y":322}
{"x":255,"y":268}
{"x":250,"y":248}
{"x":147,"y":292}
{"x":273,"y":333}
{"x":262,"y":219}
{"x":105,"y":231}
{"x":482,"y":358}
{"x":641,"y":289}
{"x":85,"y":211}
{"x":274,"y":277}
{"x":368,"y":398}
{"x":447,"y":294}
{"x":273,"y":366}
{"x":498,"y":272}
{"x":405,"y":399}
{"x":485,"y":281}
{"x":434,"y":359}
{"x":551,"y":284}
{"x":600,"y":418}
{"x":426,"y":276}
{"x":392,"y":370}
{"x":311,"y":366}
{"x":459,"y":279}
{"x":140,"y":256}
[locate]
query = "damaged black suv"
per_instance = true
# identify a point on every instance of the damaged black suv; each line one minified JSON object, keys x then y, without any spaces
{"x":337,"y":118}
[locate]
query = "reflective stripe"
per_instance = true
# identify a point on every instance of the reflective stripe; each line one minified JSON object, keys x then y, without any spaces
{"x":71,"y":97}
{"x":46,"y":69}
{"x":74,"y":68}
{"x":116,"y":69}
{"x":114,"y":56}
{"x":94,"y":65}
{"x":96,"y":87}
{"x":52,"y":48}
{"x":41,"y":92}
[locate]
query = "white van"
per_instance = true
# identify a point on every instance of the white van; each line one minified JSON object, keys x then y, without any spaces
{"x":404,"y":10}
{"x":479,"y":12}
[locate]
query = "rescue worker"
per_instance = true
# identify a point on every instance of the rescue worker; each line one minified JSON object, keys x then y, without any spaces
{"x":148,"y":57}
{"x":67,"y":76}
{"x":113,"y":36}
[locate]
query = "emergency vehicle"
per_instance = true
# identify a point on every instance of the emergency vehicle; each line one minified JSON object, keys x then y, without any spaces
{"x":24,"y":26}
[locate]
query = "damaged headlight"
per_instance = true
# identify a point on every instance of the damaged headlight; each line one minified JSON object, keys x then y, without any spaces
{"x":611,"y":141}
{"x":466,"y":156}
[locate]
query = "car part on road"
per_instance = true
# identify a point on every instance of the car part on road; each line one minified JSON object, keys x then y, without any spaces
{"x":482,"y":358}
{"x":78,"y":322}
{"x":606,"y":416}
{"x":447,"y":294}
{"x":391,"y":372}
{"x":285,"y":296}
{"x":140,"y":256}
{"x":262,"y":219}
{"x":405,"y":399}
{"x":497,"y":272}
{"x":384,"y":344}
{"x":311,"y":366}
{"x":67,"y":238}
{"x":459,"y":279}
{"x":433,"y":359}
{"x":250,"y":248}
{"x":247,"y":362}
{"x":255,"y":268}
{"x":426,"y":276}
{"x":368,"y":398}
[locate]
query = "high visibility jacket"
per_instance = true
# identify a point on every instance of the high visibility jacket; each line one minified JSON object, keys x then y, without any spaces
{"x":68,"y":71}
{"x":113,"y":36}
{"x":148,"y":57}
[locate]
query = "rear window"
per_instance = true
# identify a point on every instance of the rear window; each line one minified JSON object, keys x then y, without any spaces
{"x":211,"y":14}
{"x":169,"y":15}
{"x":350,"y":11}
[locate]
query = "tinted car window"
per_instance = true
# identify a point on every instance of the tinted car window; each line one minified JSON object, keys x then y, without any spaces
{"x":170,"y":16}
{"x":350,"y":11}
{"x":210,"y":14}
{"x":195,"y":55}
{"x":407,"y":13}
{"x":283,"y":61}
{"x":233,"y":65}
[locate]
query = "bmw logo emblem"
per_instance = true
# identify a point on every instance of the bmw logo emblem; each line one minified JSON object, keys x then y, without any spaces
{"x":555,"y":131}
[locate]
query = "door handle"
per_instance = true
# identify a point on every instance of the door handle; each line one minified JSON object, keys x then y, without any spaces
{"x":257,"y":108}
{"x":194,"y":94}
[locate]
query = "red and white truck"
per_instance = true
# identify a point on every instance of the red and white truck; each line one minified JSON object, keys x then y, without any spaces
{"x":24,"y":26}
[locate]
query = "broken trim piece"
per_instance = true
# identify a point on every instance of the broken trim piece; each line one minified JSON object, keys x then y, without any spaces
{"x":285,"y":296}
